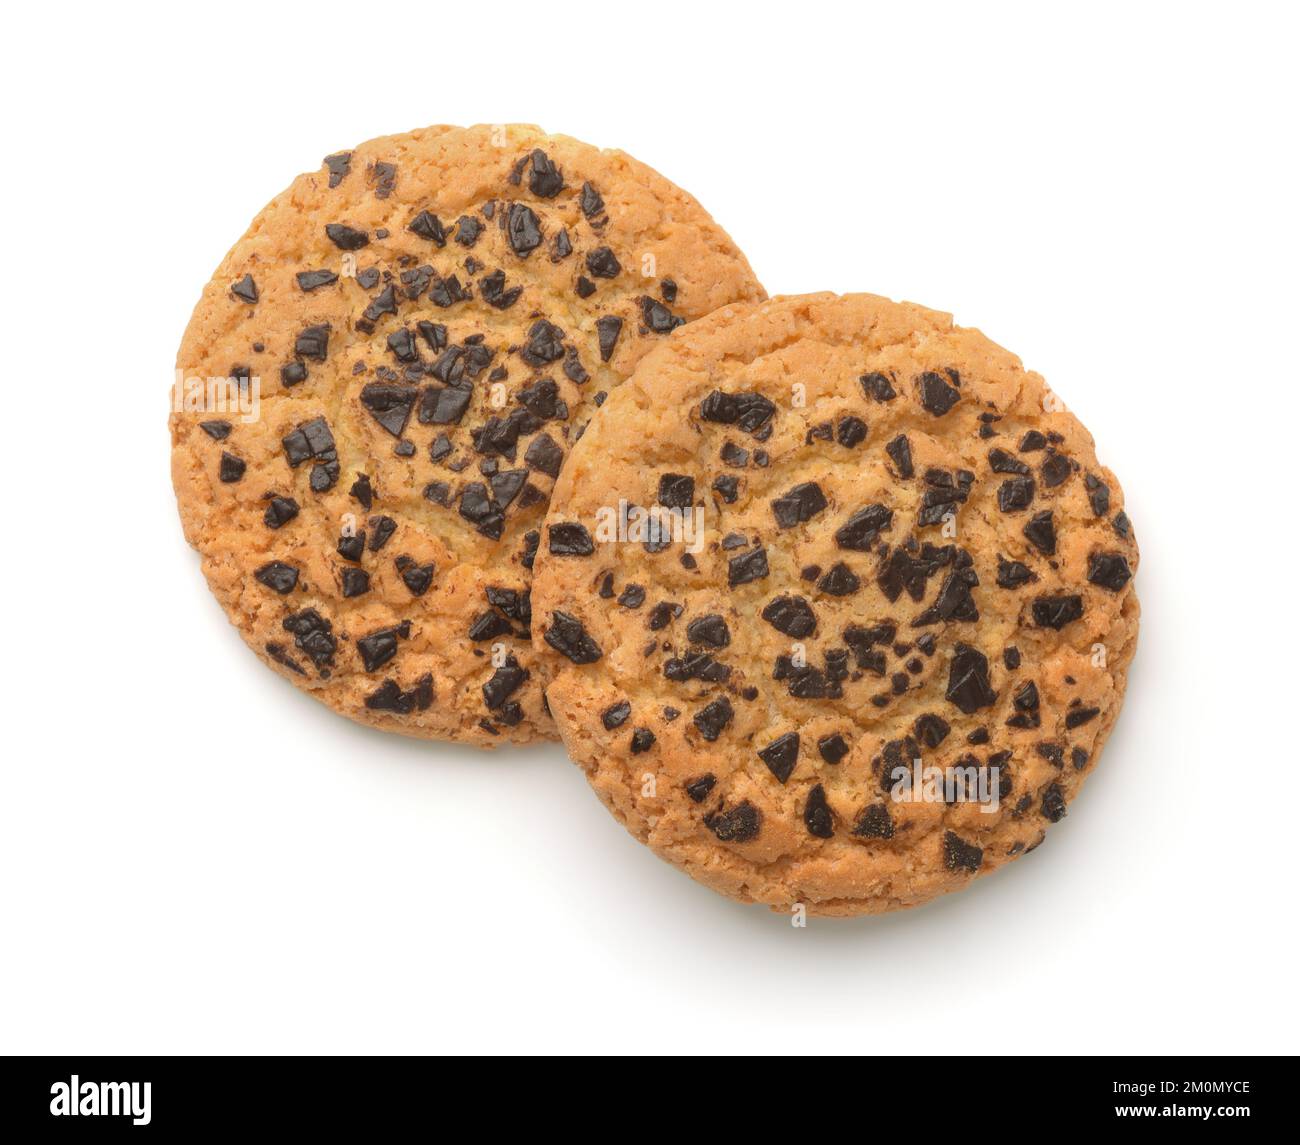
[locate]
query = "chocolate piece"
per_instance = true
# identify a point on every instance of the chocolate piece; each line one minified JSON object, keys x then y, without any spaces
{"x":568,"y":637}
{"x":817,"y":814}
{"x":781,"y":755}
{"x":959,"y":855}
{"x":711,"y":719}
{"x":874,"y":823}
{"x":798,"y":504}
{"x":968,"y":680}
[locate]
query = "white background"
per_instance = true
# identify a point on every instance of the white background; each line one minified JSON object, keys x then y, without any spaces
{"x":194,"y":857}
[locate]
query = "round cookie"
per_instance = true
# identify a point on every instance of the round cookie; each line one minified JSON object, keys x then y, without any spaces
{"x":873,"y":641}
{"x":380,"y":384}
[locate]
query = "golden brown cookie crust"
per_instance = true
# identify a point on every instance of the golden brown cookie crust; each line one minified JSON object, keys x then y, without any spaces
{"x":362,"y":339}
{"x":932,"y":450}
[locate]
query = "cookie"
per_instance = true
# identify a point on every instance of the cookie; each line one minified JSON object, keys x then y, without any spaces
{"x":380,"y":384}
{"x":838,"y":604}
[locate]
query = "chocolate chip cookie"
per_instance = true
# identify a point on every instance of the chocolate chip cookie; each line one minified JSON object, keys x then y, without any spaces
{"x":838,"y":602}
{"x":380,"y":384}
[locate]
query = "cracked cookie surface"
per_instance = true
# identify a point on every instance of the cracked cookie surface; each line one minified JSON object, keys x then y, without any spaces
{"x":875,"y":644}
{"x":418,"y":332}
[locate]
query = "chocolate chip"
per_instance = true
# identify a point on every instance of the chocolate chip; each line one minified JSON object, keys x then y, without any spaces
{"x":277,"y":576}
{"x":959,"y":855}
{"x":616,"y":715}
{"x":313,"y":280}
{"x":523,"y":230}
{"x":1012,"y":574}
{"x":417,"y":578}
{"x":968,"y":680}
{"x":544,"y":179}
{"x":544,"y":455}
{"x":1032,"y":441}
{"x":900,"y":453}
{"x":710,"y":629}
{"x":734,"y":456}
{"x":1053,"y":803}
{"x":937,"y":397}
{"x":570,"y":539}
{"x":1057,"y":611}
{"x":1015,"y":494}
{"x":1109,"y":570}
{"x":1098,"y":495}
{"x":861,"y":531}
{"x":345,"y":237}
{"x":832,"y":748}
{"x":657,"y":317}
{"x":662,"y":615}
{"x":492,"y":290}
{"x":232,"y":468}
{"x":727,"y":487}
{"x":1055,"y":469}
{"x":874,"y":823}
{"x":711,"y":719}
{"x":479,"y":508}
{"x":676,"y":491}
{"x":313,"y":635}
{"x":840,"y":580}
{"x":643,"y":740}
{"x":817,"y":814}
{"x":568,"y":637}
{"x":954,"y":600}
{"x":1011,"y":657}
{"x":739,"y":825}
{"x":851,"y":431}
{"x":590,"y":201}
{"x":791,"y":615}
{"x":438,"y":492}
{"x":698,"y":788}
{"x":313,"y":343}
{"x":878,"y":386}
{"x":632,"y":596}
{"x":216,"y":429}
{"x":381,"y":529}
{"x":338,"y":165}
{"x":747,"y":567}
{"x":602,"y":263}
{"x":280,"y":511}
{"x":245,"y":289}
{"x":356,"y":582}
{"x":798,"y":504}
{"x":379,"y":647}
{"x":1000,"y":461}
{"x":781,"y":755}
{"x":751,"y":412}
{"x":390,"y":404}
{"x":444,"y":406}
{"x":428,"y":226}
{"x":608,"y":329}
{"x":1041,"y":533}
{"x":931,"y":730}
{"x":505,"y":681}
{"x":389,"y":697}
{"x":1077,"y":717}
